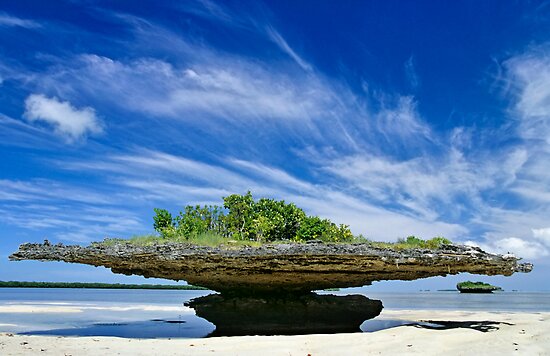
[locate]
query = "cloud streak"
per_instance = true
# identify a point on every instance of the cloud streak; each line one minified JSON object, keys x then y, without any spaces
{"x":7,"y":20}
{"x":283,"y":45}
{"x":169,"y":178}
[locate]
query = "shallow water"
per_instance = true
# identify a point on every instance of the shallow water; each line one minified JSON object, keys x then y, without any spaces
{"x":453,"y":300}
{"x":161,"y":313}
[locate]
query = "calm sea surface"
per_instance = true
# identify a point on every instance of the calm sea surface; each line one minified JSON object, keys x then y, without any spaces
{"x":161,"y":313}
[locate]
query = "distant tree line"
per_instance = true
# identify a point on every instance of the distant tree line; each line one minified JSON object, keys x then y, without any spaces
{"x":17,"y":284}
{"x":243,"y":218}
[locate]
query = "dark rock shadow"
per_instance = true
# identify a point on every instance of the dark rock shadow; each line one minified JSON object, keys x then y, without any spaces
{"x":483,"y":326}
{"x":285,"y":315}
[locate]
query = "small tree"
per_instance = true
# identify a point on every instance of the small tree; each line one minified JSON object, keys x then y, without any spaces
{"x":197,"y":220}
{"x":163,"y":222}
{"x":240,"y":215}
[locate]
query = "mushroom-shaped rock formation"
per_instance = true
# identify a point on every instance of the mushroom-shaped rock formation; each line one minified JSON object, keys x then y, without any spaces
{"x":277,"y":268}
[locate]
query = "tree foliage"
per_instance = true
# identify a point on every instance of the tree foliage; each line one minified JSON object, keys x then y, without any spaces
{"x":243,"y":218}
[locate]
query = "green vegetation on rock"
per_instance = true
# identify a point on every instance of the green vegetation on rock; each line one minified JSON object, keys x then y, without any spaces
{"x":413,"y":242}
{"x":244,"y":221}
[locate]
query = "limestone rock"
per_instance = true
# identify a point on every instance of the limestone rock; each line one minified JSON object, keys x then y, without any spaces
{"x":279,"y":267}
{"x":285,"y":315}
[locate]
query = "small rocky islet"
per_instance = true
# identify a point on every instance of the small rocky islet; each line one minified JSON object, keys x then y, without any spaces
{"x":476,"y":287}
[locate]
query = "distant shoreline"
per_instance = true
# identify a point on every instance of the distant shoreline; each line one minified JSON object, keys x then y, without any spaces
{"x":16,"y":284}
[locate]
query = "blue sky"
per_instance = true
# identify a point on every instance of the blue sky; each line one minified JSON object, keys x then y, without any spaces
{"x":397,"y":118}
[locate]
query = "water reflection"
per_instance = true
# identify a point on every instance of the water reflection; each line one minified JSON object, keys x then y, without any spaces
{"x":147,"y":329}
{"x":285,"y":315}
{"x":212,"y":315}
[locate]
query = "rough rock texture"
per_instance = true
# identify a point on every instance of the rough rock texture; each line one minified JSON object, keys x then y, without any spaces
{"x":288,"y":315}
{"x":279,"y":267}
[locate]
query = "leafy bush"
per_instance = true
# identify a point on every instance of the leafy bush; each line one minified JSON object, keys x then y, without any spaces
{"x":239,"y":220}
{"x":437,"y":242}
{"x":163,"y":222}
{"x":266,"y":220}
{"x":413,"y":242}
{"x":243,"y":218}
{"x":315,"y":228}
{"x":197,"y":220}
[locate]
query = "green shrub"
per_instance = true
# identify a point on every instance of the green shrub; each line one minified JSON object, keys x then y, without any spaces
{"x":239,"y":220}
{"x":243,"y":219}
{"x":437,"y":242}
{"x":163,"y":222}
{"x":197,"y":220}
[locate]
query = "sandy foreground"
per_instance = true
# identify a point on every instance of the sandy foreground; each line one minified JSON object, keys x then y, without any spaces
{"x":511,"y":333}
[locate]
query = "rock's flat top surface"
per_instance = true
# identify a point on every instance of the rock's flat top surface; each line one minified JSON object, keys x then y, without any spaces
{"x":277,"y":267}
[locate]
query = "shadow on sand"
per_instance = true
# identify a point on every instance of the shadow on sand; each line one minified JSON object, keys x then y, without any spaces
{"x":483,"y":326}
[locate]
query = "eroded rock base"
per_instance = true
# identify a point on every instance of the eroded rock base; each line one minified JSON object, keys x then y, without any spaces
{"x":285,"y":315}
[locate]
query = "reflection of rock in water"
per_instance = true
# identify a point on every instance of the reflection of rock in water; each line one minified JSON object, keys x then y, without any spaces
{"x":292,"y":314}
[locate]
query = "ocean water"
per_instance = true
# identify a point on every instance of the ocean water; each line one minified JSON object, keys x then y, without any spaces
{"x":162,"y":313}
{"x":453,"y":300}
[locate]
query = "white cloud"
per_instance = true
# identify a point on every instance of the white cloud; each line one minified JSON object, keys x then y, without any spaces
{"x":401,"y":121}
{"x":529,"y":78}
{"x":543,"y":235}
{"x":74,"y":223}
{"x":242,"y":19}
{"x":283,"y":45}
{"x":21,"y":134}
{"x":43,"y":190}
{"x":12,"y":21}
{"x":519,"y":247}
{"x":63,"y":211}
{"x":419,"y":184}
{"x":68,"y":121}
{"x":528,"y":81}
{"x":511,"y":230}
{"x":154,"y":175}
{"x":216,"y":87}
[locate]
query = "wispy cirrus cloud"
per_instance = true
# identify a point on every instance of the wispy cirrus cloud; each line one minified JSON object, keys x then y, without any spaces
{"x":80,"y":224}
{"x":7,"y":20}
{"x":218,"y":13}
{"x":21,"y":134}
{"x":410,"y":72}
{"x":209,"y":88}
{"x":276,"y":37}
{"x":43,"y":190}
{"x":515,"y":230}
{"x":177,"y":180}
{"x":520,"y":227}
{"x":64,"y":211}
{"x":529,"y":79}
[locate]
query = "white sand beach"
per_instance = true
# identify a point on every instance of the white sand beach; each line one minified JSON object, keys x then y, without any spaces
{"x":513,"y":333}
